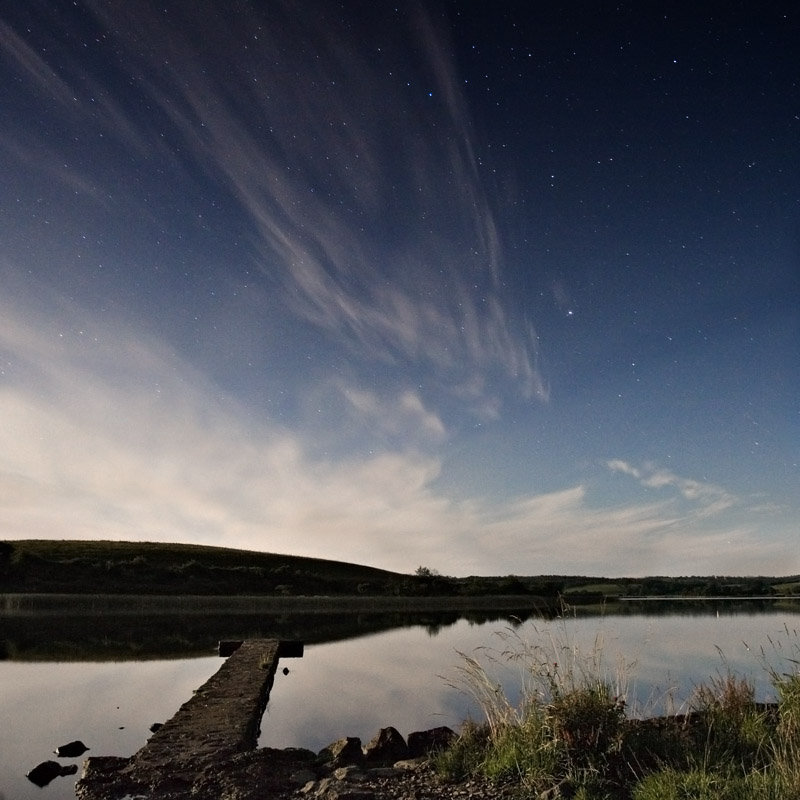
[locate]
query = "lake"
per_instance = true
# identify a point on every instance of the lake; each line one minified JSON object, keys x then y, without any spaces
{"x":104,"y":675}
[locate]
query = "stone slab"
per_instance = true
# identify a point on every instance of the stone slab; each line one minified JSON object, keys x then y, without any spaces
{"x":221,"y":719}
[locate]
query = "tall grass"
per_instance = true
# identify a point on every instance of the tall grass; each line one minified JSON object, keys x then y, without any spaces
{"x":564,"y":729}
{"x":568,"y":731}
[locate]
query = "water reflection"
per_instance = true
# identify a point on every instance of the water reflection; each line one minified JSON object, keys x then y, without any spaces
{"x":401,"y":679}
{"x":381,"y":675}
{"x":147,"y":628}
{"x":109,"y":705}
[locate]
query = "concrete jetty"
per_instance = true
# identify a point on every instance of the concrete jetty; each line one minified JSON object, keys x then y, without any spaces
{"x":222,"y":719}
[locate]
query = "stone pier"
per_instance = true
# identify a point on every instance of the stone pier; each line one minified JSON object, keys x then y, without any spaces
{"x":222,"y":719}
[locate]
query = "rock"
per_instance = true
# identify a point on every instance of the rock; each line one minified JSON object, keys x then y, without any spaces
{"x":350,"y":773}
{"x":299,"y":754}
{"x":335,"y":789}
{"x":155,"y":726}
{"x":330,"y":789}
{"x":302,"y":778}
{"x":343,"y":752}
{"x":422,"y":743}
{"x":385,"y":772}
{"x":411,"y":764}
{"x":325,"y":785}
{"x":346,"y":792}
{"x":45,"y":772}
{"x":71,"y":750}
{"x":386,"y":747}
{"x":98,"y":768}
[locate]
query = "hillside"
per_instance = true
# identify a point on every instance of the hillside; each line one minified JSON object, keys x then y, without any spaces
{"x":105,"y":567}
{"x":36,"y":565}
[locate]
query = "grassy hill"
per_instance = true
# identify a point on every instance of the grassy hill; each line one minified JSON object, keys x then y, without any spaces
{"x":104,"y":567}
{"x":142,"y":568}
{"x":99,"y":567}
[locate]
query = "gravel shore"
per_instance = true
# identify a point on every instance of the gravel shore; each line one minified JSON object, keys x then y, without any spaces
{"x":291,"y":775}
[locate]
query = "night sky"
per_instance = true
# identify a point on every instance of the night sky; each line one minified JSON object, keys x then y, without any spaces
{"x":486,"y":287}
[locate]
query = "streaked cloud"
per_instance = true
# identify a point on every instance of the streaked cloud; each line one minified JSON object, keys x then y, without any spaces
{"x":42,"y":75}
{"x":402,"y":415}
{"x":711,"y":499}
{"x":393,"y":249}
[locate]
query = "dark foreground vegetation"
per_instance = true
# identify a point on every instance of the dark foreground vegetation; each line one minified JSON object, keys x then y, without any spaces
{"x":572,"y":735}
{"x":104,"y":567}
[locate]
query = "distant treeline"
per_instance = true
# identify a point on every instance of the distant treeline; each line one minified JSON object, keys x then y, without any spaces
{"x":103,"y":567}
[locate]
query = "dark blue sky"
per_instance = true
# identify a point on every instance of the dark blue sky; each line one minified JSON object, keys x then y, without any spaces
{"x":495,"y":288}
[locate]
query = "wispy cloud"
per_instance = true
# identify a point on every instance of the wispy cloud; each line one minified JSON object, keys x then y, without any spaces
{"x":709,"y":498}
{"x":41,"y":75}
{"x":395,"y":250}
{"x":79,"y":100}
{"x":402,"y":415}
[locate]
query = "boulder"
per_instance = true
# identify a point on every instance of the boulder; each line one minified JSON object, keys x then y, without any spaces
{"x":45,"y":772}
{"x":386,"y":747}
{"x":342,"y":752}
{"x":423,"y":743}
{"x":71,"y":749}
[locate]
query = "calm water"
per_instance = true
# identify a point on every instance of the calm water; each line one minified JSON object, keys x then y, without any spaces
{"x":344,"y":686}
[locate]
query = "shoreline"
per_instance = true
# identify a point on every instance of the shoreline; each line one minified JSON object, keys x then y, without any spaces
{"x":21,"y":602}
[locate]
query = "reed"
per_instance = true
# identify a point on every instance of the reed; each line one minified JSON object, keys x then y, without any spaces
{"x":562,"y":733}
{"x":569,"y":732}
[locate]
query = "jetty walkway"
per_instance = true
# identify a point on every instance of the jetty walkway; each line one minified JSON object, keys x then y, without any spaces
{"x":220,"y":720}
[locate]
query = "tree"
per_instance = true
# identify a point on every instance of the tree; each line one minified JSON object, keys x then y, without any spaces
{"x":426,"y":572}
